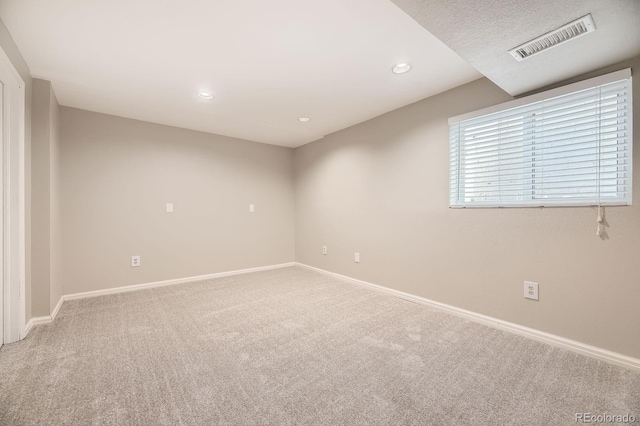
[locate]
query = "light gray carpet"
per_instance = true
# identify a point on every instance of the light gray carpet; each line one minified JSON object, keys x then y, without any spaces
{"x":291,"y":346}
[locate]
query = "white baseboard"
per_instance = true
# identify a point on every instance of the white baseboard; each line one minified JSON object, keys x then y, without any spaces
{"x":36,"y":321}
{"x":575,"y":346}
{"x":47,"y":319}
{"x":55,"y":311}
{"x":137,"y":287}
{"x":572,"y":345}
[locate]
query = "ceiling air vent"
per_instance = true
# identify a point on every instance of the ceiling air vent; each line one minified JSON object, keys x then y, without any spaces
{"x":551,"y":39}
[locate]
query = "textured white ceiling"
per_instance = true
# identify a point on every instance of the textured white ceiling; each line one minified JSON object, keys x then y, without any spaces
{"x":267,"y":62}
{"x":482,"y":32}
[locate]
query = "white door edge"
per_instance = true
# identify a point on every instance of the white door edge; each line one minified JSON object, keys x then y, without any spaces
{"x":13,"y":189}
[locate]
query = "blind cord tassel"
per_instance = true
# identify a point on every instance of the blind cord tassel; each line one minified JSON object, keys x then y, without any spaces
{"x":600,"y":221}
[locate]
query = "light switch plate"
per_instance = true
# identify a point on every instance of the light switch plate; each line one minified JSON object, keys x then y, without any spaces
{"x":169,"y":207}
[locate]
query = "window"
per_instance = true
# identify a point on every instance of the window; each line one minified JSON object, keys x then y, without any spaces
{"x":566,"y":147}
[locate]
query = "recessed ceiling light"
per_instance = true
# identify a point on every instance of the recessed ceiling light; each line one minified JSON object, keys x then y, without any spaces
{"x":401,"y":68}
{"x":205,"y":95}
{"x":303,"y":119}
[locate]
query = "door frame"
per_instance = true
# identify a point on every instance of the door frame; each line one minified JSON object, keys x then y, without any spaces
{"x":13,"y":194}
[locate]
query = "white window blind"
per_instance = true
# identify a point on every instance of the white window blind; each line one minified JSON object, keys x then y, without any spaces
{"x":566,"y":147}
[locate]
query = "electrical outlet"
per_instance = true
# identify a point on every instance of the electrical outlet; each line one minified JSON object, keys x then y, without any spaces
{"x":169,"y":208}
{"x":252,"y":208}
{"x":530,"y":290}
{"x":324,"y":249}
{"x":357,"y":258}
{"x":135,"y":261}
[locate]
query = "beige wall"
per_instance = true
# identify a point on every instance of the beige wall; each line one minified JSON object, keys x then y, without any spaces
{"x":10,"y":48}
{"x":41,"y":197}
{"x":116,"y":176}
{"x":46,"y":237}
{"x":55,"y":235}
{"x":381,"y":188}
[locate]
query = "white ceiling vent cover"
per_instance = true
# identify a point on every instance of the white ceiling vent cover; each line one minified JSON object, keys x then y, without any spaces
{"x":567,"y":32}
